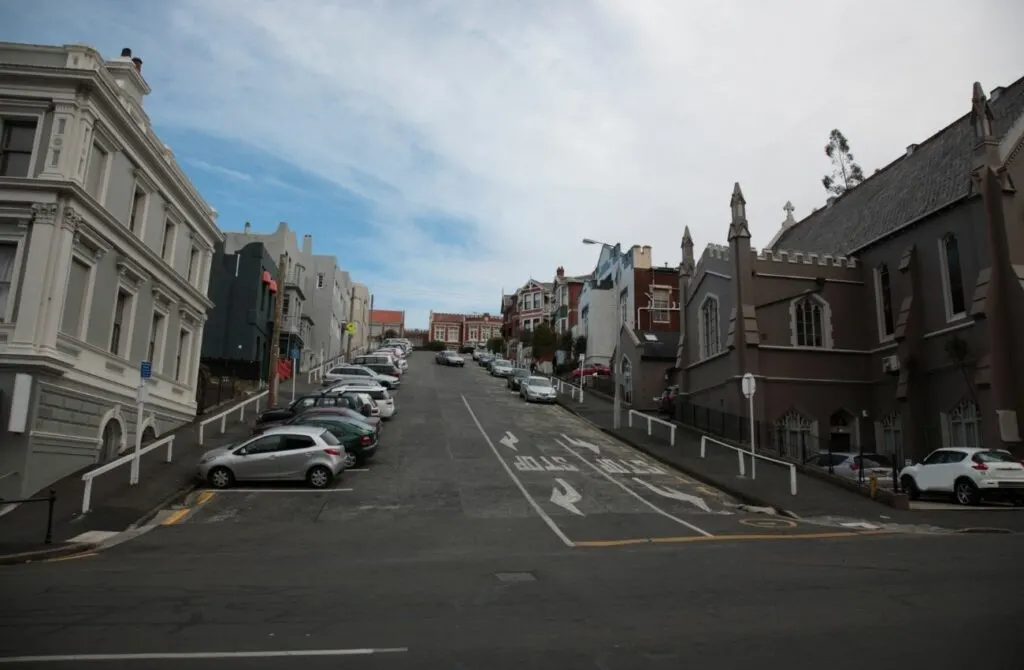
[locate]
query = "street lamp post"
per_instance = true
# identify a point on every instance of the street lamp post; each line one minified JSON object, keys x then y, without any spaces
{"x":615,"y":366}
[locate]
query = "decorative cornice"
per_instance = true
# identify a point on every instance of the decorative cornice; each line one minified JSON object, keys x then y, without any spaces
{"x":143,"y":178}
{"x":130,"y":271}
{"x":191,"y":316}
{"x":44,"y":212}
{"x":162,"y":295}
{"x":86,"y":237}
{"x":71,"y":220}
{"x":171,"y":210}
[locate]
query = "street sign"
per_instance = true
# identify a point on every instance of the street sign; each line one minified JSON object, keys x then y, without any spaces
{"x":749,"y":385}
{"x":350,"y":328}
{"x":146,"y":369}
{"x":295,"y":354}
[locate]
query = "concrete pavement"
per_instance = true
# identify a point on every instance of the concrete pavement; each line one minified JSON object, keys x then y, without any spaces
{"x":437,"y":558}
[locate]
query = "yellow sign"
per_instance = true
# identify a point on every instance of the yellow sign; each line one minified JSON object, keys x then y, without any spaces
{"x":350,"y":328}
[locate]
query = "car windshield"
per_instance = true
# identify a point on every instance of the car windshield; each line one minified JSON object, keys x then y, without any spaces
{"x":540,"y":382}
{"x":522,"y":372}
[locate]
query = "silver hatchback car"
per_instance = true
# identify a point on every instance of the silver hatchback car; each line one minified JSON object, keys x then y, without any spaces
{"x":287,"y":453}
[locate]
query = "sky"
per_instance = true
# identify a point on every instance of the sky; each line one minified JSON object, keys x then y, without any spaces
{"x":447,"y":150}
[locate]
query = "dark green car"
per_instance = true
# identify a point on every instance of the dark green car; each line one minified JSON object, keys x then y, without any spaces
{"x":516,"y":378}
{"x":359,"y":439}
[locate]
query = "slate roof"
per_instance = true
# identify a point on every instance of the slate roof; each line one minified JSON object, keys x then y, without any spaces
{"x":658,"y":345}
{"x":934,"y":175}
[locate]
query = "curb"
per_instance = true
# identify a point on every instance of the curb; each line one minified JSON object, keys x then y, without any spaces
{"x":984,"y":531}
{"x":59,"y":551}
{"x":743,"y":497}
{"x":163,"y":504}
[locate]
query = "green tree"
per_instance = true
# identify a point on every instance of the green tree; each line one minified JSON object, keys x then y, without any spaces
{"x":496,"y":345}
{"x":435,"y":345}
{"x":565,"y":343}
{"x":390,"y":333}
{"x":846,"y":173}
{"x":544,"y":341}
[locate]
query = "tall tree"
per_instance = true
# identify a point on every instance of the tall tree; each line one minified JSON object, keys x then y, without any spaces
{"x":846,"y":173}
{"x":544,"y":341}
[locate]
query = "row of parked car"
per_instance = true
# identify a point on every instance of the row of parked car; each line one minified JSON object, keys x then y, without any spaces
{"x":316,"y":437}
{"x":519,"y":379}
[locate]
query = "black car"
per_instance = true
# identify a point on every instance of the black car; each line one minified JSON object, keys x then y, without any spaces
{"x":359,"y":439}
{"x":516,"y":378}
{"x":302,"y":403}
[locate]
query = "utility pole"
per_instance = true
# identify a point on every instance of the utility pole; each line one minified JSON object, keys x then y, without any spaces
{"x":275,"y":337}
{"x":351,"y":313}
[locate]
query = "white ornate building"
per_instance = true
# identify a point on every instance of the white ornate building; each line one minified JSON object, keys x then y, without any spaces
{"x":105,"y":250}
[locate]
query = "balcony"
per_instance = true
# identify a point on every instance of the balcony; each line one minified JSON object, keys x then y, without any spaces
{"x":294,"y":281}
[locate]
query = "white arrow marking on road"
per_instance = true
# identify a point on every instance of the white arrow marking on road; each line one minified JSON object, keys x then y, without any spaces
{"x":593,"y":448}
{"x":675,"y":495}
{"x":509,"y":441}
{"x":567,"y":498}
{"x":859,"y":524}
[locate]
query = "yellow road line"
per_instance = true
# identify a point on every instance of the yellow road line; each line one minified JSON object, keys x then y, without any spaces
{"x":720,"y":538}
{"x":205,"y":497}
{"x":177,"y":516}
{"x":72,"y":557}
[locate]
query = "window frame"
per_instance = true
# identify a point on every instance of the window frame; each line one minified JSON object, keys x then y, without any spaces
{"x":89,"y":259}
{"x":704,"y":347}
{"x":160,"y":342}
{"x":182,"y":363}
{"x":18,"y":112}
{"x":106,"y":142}
{"x":18,"y":240}
{"x":129,"y":279}
{"x":145,"y":184}
{"x":826,"y":322}
{"x":947,"y":283}
{"x":884,"y":334}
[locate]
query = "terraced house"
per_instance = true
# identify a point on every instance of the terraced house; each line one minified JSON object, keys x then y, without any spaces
{"x":891,"y":318}
{"x":105,"y":250}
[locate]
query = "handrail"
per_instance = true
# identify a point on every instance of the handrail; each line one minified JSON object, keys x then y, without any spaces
{"x":223,"y":416}
{"x":651,"y":420}
{"x":740,"y":453}
{"x":317,"y":372}
{"x":127,"y":458}
{"x":561,"y":385}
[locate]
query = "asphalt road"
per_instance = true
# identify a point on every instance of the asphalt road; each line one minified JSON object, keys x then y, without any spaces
{"x":462,"y":547}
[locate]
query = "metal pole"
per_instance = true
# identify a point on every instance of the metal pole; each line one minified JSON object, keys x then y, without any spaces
{"x":51,"y":501}
{"x":295,"y":364}
{"x":753,"y":458}
{"x":351,"y":314}
{"x":140,"y":408}
{"x":275,"y":337}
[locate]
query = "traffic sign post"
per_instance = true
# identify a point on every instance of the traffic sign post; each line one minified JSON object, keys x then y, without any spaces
{"x":749,"y":385}
{"x":583,"y":378}
{"x":145,"y":372}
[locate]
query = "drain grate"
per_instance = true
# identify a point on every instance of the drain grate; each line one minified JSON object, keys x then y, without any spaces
{"x":516,"y":576}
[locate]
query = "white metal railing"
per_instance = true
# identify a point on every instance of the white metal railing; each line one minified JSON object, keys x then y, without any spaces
{"x":317,"y":372}
{"x":118,"y":462}
{"x":223,"y":416}
{"x":651,"y":420}
{"x":740,"y":453}
{"x":561,"y":386}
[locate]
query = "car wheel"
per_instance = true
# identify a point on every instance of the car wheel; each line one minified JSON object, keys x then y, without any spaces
{"x":319,"y":477}
{"x":910,"y":487}
{"x":965,"y":491}
{"x":350,"y":460}
{"x":220,"y":478}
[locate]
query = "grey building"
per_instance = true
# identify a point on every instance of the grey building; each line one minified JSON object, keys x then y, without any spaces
{"x":236,"y":341}
{"x":889,"y":319}
{"x":105,"y":249}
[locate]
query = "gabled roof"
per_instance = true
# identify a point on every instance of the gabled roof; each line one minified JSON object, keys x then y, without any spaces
{"x":936,"y":174}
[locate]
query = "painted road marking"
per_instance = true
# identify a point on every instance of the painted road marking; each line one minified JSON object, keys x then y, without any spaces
{"x":296,"y":490}
{"x":522,"y":489}
{"x":71,"y":557}
{"x":509,"y":441}
{"x":635,"y":494}
{"x":634,"y":467}
{"x":543,"y":464}
{"x":567,"y":498}
{"x":593,"y":448}
{"x":208,"y":655}
{"x":177,"y":516}
{"x":769,"y":523}
{"x":726,"y":538}
{"x":205,"y":497}
{"x":675,"y":495}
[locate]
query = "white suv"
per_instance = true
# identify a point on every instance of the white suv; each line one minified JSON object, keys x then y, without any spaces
{"x":969,"y":473}
{"x":360,"y":374}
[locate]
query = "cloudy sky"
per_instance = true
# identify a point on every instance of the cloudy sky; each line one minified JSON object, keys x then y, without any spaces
{"x":446,"y":149}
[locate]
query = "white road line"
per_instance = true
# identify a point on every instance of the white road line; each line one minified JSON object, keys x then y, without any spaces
{"x":81,"y":658}
{"x":634,"y":493}
{"x":522,"y":489}
{"x":279,"y":490}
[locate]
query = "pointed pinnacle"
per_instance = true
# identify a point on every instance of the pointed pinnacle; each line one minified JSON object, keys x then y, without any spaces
{"x":737,"y":194}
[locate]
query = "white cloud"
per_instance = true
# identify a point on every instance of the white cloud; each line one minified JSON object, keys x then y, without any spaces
{"x":218,"y":170}
{"x":542,"y":123}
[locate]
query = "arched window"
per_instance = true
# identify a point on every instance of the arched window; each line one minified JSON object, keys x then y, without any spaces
{"x":794,"y":436}
{"x":811,"y":322}
{"x":710,"y":327}
{"x":964,"y":425}
{"x":953,"y":277}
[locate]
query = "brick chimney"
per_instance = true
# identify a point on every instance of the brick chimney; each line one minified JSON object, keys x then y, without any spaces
{"x":560,"y":272}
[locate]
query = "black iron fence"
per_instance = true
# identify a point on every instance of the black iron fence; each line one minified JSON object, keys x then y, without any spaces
{"x":50,"y":499}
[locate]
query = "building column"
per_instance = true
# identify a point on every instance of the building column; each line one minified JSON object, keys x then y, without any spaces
{"x":196,"y":353}
{"x":46,"y":262}
{"x":67,"y":152}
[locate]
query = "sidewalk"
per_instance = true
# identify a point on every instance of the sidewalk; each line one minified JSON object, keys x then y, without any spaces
{"x":720,"y":469}
{"x":116,"y":504}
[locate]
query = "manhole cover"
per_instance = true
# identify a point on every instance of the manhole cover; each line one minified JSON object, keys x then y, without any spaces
{"x":516,"y":576}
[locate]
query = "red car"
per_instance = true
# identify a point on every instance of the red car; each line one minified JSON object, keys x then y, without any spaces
{"x":590,"y":371}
